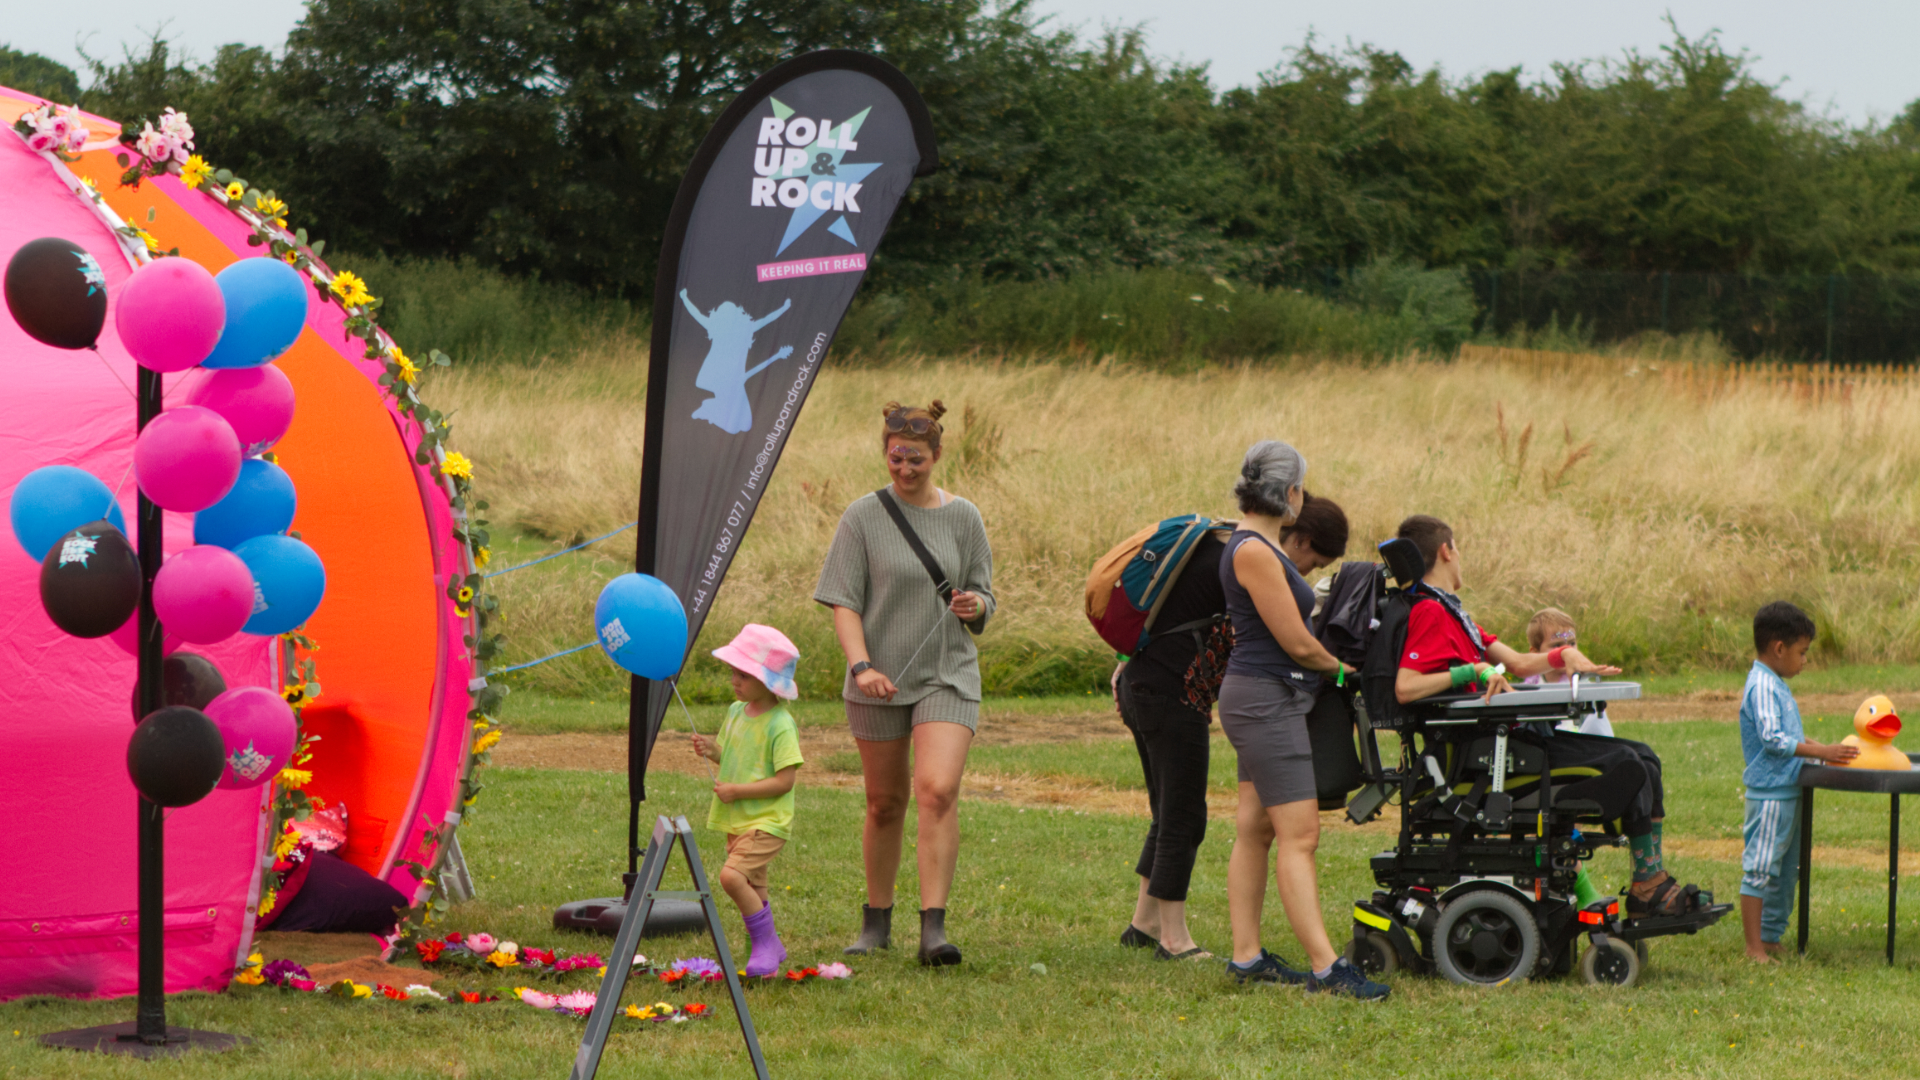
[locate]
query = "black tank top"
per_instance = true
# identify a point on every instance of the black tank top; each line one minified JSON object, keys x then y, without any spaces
{"x":1255,"y":652}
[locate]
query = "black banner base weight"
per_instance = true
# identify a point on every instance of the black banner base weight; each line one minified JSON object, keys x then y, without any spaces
{"x":123,"y":1039}
{"x":669,"y":918}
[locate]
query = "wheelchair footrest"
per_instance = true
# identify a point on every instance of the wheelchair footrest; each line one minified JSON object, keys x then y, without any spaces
{"x":1691,"y":922}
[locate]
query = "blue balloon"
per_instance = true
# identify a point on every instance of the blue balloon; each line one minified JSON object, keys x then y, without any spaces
{"x":642,"y":626}
{"x":288,"y":582}
{"x":54,"y":500}
{"x":266,"y":307}
{"x":259,"y":503}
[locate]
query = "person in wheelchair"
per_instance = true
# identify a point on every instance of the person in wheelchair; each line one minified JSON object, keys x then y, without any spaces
{"x":1447,"y":652}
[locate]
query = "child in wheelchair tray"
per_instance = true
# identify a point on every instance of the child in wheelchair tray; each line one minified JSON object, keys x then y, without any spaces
{"x":1486,"y":883}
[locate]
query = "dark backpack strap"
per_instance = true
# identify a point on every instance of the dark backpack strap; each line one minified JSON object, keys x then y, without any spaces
{"x":919,"y":549}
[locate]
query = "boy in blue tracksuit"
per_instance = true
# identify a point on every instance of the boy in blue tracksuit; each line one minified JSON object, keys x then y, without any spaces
{"x":1773,"y":744}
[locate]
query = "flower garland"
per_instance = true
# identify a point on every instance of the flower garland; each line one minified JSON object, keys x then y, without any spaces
{"x":484,"y":951}
{"x":168,"y":150}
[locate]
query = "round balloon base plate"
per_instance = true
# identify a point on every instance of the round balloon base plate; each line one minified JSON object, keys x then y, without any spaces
{"x":123,"y":1039}
{"x":603,"y":916}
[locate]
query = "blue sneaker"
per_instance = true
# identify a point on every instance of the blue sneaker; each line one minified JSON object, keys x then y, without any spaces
{"x":1267,"y":968}
{"x":1347,"y":981}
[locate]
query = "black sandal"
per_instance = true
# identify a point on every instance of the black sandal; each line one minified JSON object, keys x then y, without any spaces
{"x":1136,"y":938}
{"x":1669,"y":898}
{"x":1160,"y":952}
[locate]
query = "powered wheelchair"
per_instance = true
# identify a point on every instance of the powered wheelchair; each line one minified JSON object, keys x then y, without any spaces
{"x":1480,"y":883}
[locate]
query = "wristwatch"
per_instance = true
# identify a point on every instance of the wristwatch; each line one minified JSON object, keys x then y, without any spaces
{"x":862,"y":668}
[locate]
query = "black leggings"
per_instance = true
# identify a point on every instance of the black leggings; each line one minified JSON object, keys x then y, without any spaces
{"x":1172,"y":740}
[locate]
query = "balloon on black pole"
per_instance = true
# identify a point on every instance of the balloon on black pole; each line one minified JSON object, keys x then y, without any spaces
{"x":186,"y":679}
{"x":176,"y":756}
{"x":57,"y":293}
{"x":90,"y":581}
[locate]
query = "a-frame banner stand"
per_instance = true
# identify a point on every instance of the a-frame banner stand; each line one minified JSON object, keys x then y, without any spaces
{"x":666,"y":834}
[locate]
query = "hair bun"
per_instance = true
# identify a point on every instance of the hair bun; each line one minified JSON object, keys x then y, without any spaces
{"x":889,"y":408}
{"x":936,"y":409}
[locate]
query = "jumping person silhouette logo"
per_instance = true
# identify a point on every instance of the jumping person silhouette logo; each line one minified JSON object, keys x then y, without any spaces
{"x":724,"y":373}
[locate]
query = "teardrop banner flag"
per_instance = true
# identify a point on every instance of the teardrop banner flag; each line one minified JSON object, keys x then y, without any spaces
{"x":770,"y":236}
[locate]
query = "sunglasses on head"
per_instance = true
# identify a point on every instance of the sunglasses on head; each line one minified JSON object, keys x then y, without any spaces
{"x":902,"y":456}
{"x":898,"y":421}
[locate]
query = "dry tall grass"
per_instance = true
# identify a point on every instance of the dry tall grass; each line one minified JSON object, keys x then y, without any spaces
{"x":1659,"y":503}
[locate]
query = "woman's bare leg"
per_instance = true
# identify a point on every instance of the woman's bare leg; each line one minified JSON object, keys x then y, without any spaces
{"x":1247,"y":874}
{"x":939,"y":759}
{"x":884,"y":767}
{"x":1297,"y":825}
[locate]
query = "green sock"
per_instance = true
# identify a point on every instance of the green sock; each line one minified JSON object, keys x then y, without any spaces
{"x":1584,"y":892}
{"x":1646,"y":855}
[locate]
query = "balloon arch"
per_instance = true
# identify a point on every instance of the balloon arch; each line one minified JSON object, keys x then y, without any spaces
{"x":358,"y":484}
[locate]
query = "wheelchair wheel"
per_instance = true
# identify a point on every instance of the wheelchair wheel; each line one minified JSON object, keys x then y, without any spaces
{"x":1616,"y":965}
{"x":1486,"y":938}
{"x":1375,"y":955}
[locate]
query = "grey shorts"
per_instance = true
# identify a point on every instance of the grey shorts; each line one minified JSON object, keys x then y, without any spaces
{"x":885,"y":723}
{"x":1266,"y":721}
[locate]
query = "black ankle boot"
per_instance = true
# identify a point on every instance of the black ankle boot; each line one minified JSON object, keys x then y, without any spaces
{"x":935,"y":949}
{"x":876,"y":931}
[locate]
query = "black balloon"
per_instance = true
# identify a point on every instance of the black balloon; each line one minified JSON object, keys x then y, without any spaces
{"x":185,"y":679}
{"x":57,"y":293}
{"x":176,"y":755}
{"x":90,"y":581}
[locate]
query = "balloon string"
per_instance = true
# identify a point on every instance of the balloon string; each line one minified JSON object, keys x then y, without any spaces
{"x":675,"y":684}
{"x":95,"y":350}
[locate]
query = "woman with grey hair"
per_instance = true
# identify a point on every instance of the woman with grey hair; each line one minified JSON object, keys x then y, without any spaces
{"x":1264,"y":700}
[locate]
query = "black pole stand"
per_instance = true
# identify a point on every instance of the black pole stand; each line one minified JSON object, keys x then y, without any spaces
{"x":148,"y":1035}
{"x":647,"y":890}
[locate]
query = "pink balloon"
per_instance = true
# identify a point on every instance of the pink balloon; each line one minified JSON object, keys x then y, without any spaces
{"x":259,"y":730}
{"x":203,"y":594}
{"x":187,"y":458}
{"x":257,"y":401}
{"x":128,"y":638}
{"x":170,"y":314}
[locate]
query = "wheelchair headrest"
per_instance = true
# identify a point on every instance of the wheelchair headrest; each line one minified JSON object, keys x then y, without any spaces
{"x":1404,"y":561}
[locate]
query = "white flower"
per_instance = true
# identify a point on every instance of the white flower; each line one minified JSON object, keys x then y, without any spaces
{"x":509,"y":948}
{"x":174,"y":125}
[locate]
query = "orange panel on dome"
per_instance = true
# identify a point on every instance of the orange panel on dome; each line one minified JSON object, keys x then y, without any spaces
{"x":377,"y":629}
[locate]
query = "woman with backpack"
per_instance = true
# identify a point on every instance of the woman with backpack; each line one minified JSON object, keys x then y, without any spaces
{"x":910,"y":580}
{"x":1165,"y":693}
{"x":1269,"y":687}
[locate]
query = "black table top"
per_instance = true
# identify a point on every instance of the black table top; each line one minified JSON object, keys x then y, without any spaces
{"x":1839,"y":778}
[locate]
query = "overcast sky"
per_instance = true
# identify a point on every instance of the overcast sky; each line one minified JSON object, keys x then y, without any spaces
{"x":1853,"y":56}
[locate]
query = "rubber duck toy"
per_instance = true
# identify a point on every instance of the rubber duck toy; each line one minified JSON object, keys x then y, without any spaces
{"x":1876,"y":724}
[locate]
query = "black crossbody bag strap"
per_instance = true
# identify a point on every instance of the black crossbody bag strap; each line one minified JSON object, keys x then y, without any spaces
{"x":919,"y":549}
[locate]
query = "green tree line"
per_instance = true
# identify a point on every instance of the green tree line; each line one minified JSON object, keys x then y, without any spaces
{"x":546,"y":138}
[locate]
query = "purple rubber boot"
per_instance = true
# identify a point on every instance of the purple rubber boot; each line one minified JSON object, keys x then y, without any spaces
{"x":768,"y":952}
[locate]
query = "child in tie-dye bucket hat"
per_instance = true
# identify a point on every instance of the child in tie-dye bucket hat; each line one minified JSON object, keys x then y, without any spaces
{"x":758,"y":750}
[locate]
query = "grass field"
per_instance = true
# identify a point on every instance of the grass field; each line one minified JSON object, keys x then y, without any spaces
{"x":1053,"y":887}
{"x":1660,"y":505}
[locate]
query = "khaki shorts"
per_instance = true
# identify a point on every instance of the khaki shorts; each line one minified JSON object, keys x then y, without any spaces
{"x":750,"y":853}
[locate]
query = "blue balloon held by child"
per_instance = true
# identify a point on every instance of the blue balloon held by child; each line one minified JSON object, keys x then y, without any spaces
{"x":288,"y":582}
{"x":261,"y":502}
{"x":266,"y":307}
{"x":54,"y":500}
{"x":642,"y":626}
